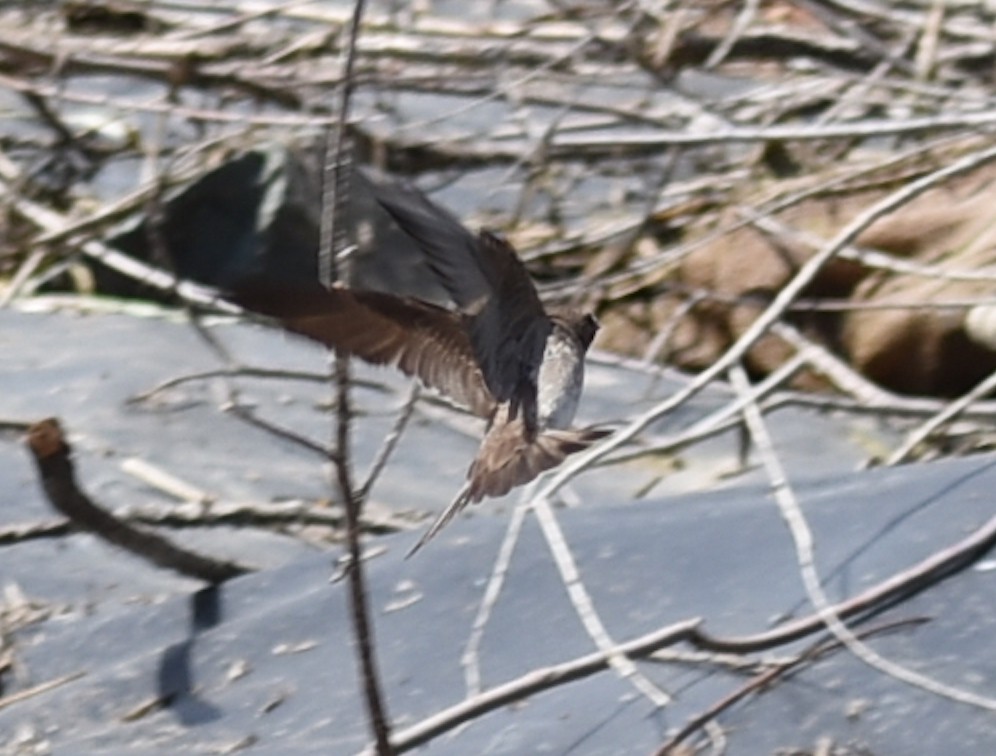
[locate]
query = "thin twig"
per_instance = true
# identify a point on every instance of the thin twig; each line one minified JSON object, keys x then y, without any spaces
{"x":247,"y":415}
{"x":37,"y":690}
{"x":537,"y":681}
{"x":920,"y":434}
{"x":584,"y":606}
{"x":29,"y":531}
{"x":243,"y":371}
{"x":272,"y":515}
{"x":390,"y":441}
{"x":718,"y":421}
{"x":470,"y":659}
{"x":763,"y":680}
{"x":331,"y":244}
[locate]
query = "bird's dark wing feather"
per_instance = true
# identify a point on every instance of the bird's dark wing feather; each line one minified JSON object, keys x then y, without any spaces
{"x":418,"y":338}
{"x":450,"y":249}
{"x":509,"y":333}
{"x":488,"y":283}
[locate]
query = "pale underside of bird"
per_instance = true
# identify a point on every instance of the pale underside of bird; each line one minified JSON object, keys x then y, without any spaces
{"x":500,"y":354}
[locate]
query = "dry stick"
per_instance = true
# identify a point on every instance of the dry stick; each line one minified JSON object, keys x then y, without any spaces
{"x":718,"y":421}
{"x":842,"y":375}
{"x":256,"y":514}
{"x":537,"y":681}
{"x":31,"y":530}
{"x":334,"y":180}
{"x":657,"y":346}
{"x":144,"y":106}
{"x":927,"y":50}
{"x":865,"y":40}
{"x":919,"y":577}
{"x":423,"y":125}
{"x":274,"y":516}
{"x":535,"y":159}
{"x":743,"y":19}
{"x":241,"y":75}
{"x":762,"y":680}
{"x":929,"y":305}
{"x":802,"y":538}
{"x":535,"y":163}
{"x":55,"y":468}
{"x":825,"y":362}
{"x":500,"y":151}
{"x":741,"y":664}
{"x":167,"y":483}
{"x":851,"y":96}
{"x":470,"y":659}
{"x":24,"y":272}
{"x":584,"y":606}
{"x":243,"y":371}
{"x":951,"y":411}
{"x":582,"y":147}
{"x":696,"y":295}
{"x":390,"y":441}
{"x":243,"y":18}
{"x":37,"y":690}
{"x":868,"y":128}
{"x":915,"y":17}
{"x":248,"y":416}
{"x":262,"y":71}
{"x":576,"y":147}
{"x":899,"y":407}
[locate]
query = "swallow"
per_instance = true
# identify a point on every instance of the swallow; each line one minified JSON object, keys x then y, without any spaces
{"x":499,"y":353}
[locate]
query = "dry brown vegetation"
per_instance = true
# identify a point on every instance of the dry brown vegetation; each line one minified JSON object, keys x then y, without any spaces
{"x":677,"y":168}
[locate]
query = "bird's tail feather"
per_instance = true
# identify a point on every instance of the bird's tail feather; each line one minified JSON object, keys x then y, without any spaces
{"x":455,"y":507}
{"x":502,"y":465}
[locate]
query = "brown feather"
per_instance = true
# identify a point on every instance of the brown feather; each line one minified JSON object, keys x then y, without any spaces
{"x":489,"y":284}
{"x":509,"y":458}
{"x":418,"y":338}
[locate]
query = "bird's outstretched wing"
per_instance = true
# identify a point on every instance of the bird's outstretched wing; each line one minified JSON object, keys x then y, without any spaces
{"x":420,"y":339}
{"x":489,"y":284}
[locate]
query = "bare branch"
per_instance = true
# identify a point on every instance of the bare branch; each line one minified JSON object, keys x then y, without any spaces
{"x":55,"y":468}
{"x":335,"y":183}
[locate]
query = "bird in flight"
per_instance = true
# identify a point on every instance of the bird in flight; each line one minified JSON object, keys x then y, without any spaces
{"x":499,"y":353}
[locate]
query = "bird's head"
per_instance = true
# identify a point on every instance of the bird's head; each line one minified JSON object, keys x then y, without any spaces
{"x":586,"y":326}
